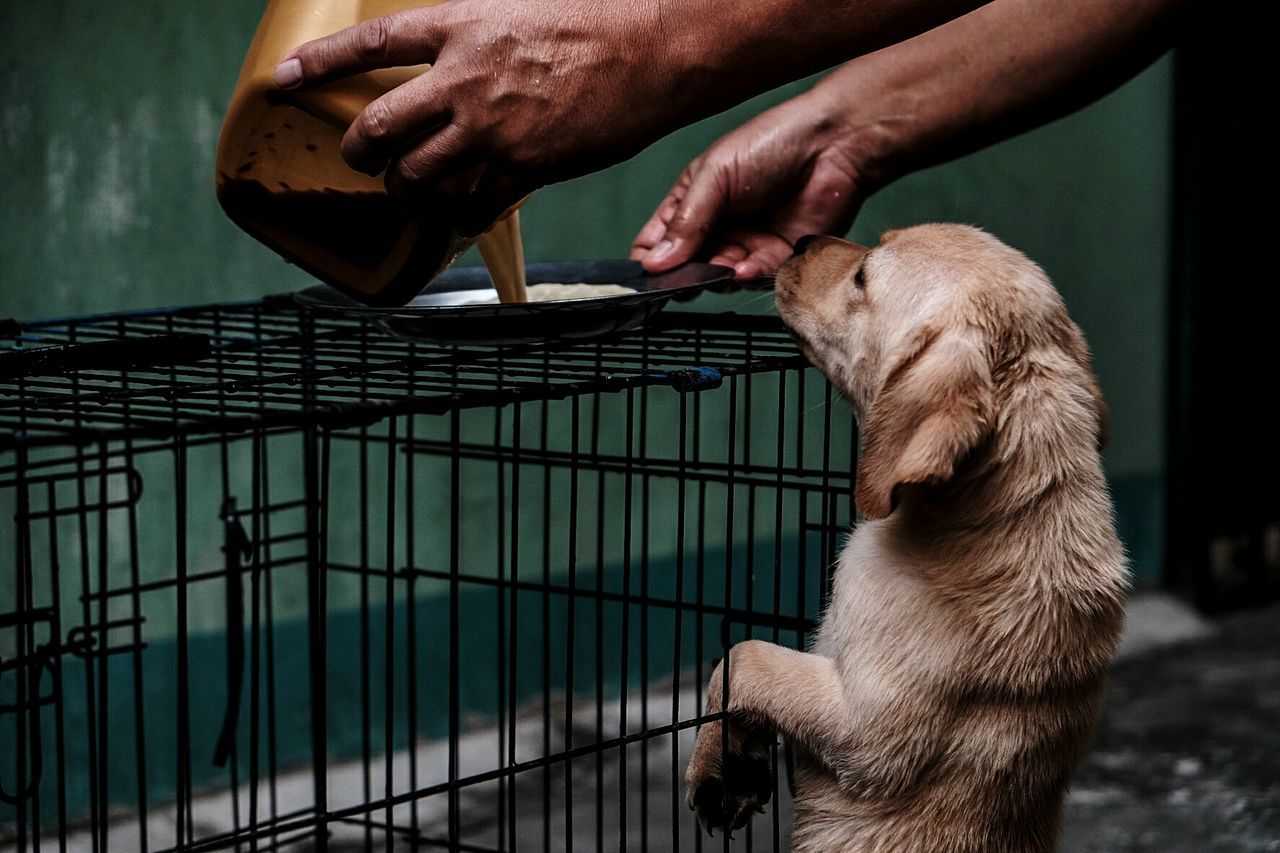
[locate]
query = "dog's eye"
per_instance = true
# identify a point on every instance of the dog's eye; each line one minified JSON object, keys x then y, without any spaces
{"x":860,"y":278}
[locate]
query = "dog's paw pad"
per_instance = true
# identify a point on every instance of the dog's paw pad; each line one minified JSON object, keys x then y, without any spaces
{"x":707,"y":798}
{"x":751,"y":775}
{"x":728,"y":800}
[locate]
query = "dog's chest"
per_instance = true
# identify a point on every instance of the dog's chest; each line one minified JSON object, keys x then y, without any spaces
{"x":883,"y":611}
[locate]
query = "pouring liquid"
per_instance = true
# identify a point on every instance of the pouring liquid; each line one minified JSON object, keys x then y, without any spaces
{"x":503,"y":254}
{"x":281,"y":176}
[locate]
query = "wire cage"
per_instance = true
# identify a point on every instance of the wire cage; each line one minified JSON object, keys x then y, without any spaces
{"x":279,"y":580}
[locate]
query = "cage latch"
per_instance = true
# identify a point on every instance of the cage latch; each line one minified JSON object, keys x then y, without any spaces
{"x":701,"y":378}
{"x":32,"y":667}
{"x":237,"y":547}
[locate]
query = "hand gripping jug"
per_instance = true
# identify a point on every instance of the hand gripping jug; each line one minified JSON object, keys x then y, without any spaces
{"x":282,"y":178}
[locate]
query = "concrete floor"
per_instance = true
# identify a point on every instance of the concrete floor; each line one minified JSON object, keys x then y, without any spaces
{"x":1187,"y":757}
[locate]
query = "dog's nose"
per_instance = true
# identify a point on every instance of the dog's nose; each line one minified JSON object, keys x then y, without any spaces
{"x":803,"y":244}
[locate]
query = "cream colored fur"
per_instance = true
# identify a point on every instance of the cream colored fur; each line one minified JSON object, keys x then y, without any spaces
{"x":958,"y":672}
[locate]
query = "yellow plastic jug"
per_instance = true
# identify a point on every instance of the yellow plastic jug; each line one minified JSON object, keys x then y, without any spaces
{"x":282,"y":178}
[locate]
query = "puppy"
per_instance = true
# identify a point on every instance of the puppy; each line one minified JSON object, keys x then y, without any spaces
{"x":958,"y":672}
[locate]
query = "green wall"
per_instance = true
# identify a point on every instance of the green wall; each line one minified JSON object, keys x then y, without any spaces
{"x":110,"y":114}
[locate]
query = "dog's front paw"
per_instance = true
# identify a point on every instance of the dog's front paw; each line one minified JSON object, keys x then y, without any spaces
{"x":726,"y":790}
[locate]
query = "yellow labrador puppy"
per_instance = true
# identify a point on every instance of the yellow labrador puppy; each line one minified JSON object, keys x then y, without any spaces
{"x":959,"y":669}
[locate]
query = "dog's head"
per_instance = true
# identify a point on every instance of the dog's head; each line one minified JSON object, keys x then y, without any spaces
{"x":934,"y":336}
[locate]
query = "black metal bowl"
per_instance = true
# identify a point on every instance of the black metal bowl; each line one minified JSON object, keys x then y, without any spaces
{"x":453,"y":310}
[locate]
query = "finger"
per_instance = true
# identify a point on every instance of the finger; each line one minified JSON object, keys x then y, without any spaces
{"x":651,"y":234}
{"x":390,"y":123}
{"x":694,"y":217}
{"x":434,"y":162}
{"x":495,"y":194}
{"x":747,"y":270}
{"x":405,"y":38}
{"x":765,"y":253}
{"x":729,"y":255}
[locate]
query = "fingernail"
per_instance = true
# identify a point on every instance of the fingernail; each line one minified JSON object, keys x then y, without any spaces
{"x":661,"y":250}
{"x":288,"y":74}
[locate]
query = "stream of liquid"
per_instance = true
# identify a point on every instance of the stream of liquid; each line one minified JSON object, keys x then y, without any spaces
{"x":503,"y":254}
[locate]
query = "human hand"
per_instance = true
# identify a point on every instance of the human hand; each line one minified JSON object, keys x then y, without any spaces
{"x":536,"y":92}
{"x":532,"y":92}
{"x":791,"y":171}
{"x":807,"y":165}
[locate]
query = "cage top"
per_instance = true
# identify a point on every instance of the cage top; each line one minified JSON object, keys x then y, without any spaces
{"x":272,"y":364}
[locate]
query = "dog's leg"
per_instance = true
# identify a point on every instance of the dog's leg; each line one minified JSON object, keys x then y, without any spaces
{"x":769,"y":687}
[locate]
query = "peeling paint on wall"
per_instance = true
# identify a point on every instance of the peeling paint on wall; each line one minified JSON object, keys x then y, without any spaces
{"x":15,"y":116}
{"x":205,"y":125}
{"x":59,"y":166}
{"x":111,"y":207}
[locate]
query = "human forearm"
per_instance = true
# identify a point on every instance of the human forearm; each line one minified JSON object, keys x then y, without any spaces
{"x":721,"y":52}
{"x":1004,"y":68}
{"x":806,"y":166}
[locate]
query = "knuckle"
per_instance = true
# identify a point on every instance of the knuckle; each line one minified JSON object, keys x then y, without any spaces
{"x":373,"y":39}
{"x":375,"y":121}
{"x":685,"y":222}
{"x":408,"y":169}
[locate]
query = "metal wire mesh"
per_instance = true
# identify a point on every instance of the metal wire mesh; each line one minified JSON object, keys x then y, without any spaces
{"x":282,"y":580}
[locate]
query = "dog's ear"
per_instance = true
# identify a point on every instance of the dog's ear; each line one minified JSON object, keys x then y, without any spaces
{"x":1071,"y":339}
{"x":1103,"y":413}
{"x":933,"y":409}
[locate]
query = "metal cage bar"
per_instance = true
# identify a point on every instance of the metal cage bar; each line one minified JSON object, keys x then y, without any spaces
{"x":282,"y":580}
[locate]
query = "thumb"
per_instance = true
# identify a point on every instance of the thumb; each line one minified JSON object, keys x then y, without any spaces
{"x":693,"y":218}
